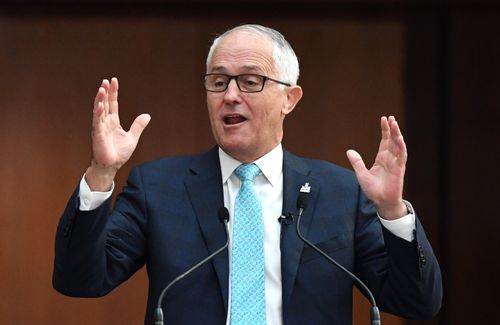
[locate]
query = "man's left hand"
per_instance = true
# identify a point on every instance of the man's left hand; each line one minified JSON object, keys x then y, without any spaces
{"x":383,"y":182}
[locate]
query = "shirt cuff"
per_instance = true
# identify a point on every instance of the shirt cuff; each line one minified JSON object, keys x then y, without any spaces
{"x":403,"y":227}
{"x":91,"y":200}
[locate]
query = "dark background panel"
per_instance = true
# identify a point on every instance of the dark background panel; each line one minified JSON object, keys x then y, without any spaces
{"x":472,"y":178}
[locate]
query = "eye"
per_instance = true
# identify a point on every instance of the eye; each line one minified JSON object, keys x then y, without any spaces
{"x":250,"y":81}
{"x":218,"y":81}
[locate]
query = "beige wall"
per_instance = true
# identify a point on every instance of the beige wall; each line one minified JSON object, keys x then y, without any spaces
{"x":51,"y":66}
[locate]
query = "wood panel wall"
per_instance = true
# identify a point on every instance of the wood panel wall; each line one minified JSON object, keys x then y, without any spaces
{"x":51,"y":65}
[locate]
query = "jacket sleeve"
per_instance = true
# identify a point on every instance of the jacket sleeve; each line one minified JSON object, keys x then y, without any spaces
{"x":97,"y":250}
{"x":404,"y":276}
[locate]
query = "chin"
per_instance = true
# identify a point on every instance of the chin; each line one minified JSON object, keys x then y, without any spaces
{"x":231,"y":147}
{"x":237,"y":150}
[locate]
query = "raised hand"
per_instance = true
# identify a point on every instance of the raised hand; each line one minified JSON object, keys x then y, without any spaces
{"x":112,"y":146}
{"x":383,"y":182}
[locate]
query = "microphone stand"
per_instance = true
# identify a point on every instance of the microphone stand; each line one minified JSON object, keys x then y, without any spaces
{"x":374,"y":312}
{"x":224,"y":216}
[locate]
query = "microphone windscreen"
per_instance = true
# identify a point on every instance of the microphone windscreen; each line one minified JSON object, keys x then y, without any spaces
{"x":302,"y":200}
{"x":223,"y":214}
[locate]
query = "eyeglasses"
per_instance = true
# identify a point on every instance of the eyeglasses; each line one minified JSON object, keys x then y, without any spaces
{"x":247,"y":83}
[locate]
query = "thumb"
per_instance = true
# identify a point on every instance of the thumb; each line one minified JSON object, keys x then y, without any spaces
{"x":140,"y":124}
{"x":356,"y":161}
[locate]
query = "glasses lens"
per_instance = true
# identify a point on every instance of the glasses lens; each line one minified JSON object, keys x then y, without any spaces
{"x":250,"y":82}
{"x":216,"y":82}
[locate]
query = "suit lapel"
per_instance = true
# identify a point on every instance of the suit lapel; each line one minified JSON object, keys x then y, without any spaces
{"x":295,"y":174}
{"x":204,"y":187}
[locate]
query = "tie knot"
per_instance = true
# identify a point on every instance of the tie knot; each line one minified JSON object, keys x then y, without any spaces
{"x":247,"y":172}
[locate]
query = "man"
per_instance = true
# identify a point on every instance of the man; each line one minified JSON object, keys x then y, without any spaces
{"x":166,"y":217}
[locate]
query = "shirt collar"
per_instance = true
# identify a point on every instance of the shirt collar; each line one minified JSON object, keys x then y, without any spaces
{"x":271,"y":164}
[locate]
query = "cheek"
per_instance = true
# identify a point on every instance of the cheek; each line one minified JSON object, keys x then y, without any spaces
{"x":274,"y":116}
{"x":212,"y":109}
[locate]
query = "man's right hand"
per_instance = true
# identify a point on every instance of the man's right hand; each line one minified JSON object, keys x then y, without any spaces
{"x":112,"y":146}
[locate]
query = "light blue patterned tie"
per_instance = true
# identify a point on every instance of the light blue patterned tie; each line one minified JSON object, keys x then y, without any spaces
{"x":248,"y":302}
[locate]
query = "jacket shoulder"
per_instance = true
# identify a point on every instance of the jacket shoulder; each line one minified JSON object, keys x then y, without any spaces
{"x":320,"y":169}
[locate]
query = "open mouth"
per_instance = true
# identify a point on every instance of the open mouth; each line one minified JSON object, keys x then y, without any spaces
{"x":234,"y":119}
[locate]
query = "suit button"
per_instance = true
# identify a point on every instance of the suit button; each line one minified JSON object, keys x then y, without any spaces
{"x":421,"y":256}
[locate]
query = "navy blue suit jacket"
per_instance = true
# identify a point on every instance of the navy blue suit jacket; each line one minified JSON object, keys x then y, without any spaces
{"x":166,"y":218}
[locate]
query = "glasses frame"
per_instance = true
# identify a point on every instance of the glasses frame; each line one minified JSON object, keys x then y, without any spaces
{"x":235,"y":77}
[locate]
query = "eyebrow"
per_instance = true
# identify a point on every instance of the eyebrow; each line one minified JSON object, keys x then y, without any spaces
{"x":250,"y":68}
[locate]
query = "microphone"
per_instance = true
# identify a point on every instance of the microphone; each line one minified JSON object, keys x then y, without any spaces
{"x":302,"y":202}
{"x":223,"y":217}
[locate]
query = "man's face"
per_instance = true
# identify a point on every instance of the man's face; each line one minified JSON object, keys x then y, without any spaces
{"x":248,"y":125}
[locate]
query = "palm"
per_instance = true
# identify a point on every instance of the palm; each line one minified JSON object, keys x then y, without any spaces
{"x":383,"y":182}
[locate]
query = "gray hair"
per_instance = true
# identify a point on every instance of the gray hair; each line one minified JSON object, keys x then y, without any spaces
{"x":285,"y":60}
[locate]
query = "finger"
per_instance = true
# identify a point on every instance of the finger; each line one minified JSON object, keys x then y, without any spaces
{"x":393,"y":129}
{"x":99,"y":99}
{"x":385,"y":134}
{"x":399,"y":142}
{"x":394,"y":126}
{"x":113,"y":96}
{"x":356,"y":162}
{"x":139,"y":125}
{"x":398,"y":145}
{"x":385,"y":128}
{"x":98,"y":116}
{"x":100,"y":94}
{"x":106,"y":86}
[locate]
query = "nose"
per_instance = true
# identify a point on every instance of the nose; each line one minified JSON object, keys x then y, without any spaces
{"x":232,"y":93}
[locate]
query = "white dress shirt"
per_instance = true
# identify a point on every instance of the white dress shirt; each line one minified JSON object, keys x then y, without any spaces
{"x":269,"y":187}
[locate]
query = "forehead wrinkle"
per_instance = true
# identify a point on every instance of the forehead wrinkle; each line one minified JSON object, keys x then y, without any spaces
{"x":242,"y":60}
{"x":245,"y":68}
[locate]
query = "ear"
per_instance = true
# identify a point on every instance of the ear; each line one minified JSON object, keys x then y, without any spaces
{"x":294,"y":94}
